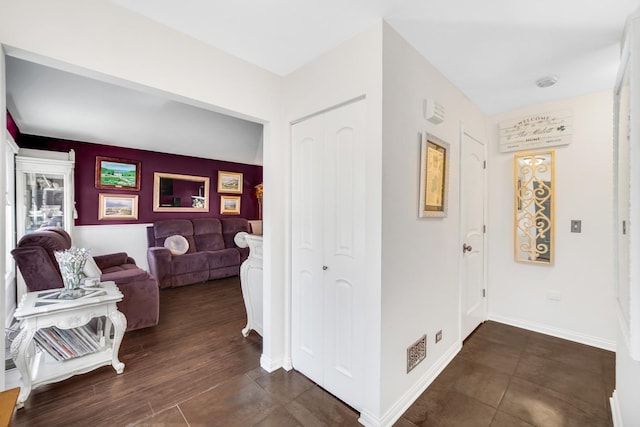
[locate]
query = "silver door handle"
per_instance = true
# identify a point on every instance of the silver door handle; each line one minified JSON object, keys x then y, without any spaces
{"x":466,"y":248}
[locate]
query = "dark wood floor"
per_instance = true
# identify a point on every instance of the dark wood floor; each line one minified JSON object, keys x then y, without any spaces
{"x":196,"y":369}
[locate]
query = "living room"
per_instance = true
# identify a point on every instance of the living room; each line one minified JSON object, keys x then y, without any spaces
{"x":403,"y":303}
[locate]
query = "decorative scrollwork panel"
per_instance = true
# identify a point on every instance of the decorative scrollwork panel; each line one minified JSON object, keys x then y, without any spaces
{"x":534,"y":207}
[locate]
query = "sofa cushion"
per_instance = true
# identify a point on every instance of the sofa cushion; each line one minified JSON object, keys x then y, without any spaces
{"x":177,"y":244}
{"x":170,"y":227}
{"x":222,"y":258}
{"x":125,"y":275}
{"x":91,"y":269}
{"x":189,"y":263}
{"x":208,"y":234}
{"x":231,"y":227}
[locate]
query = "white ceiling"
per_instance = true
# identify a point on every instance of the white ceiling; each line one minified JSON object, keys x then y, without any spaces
{"x":493,"y":51}
{"x":48,"y":102}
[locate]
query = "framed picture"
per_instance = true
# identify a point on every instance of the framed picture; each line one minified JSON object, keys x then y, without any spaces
{"x":230,"y":205}
{"x":117,"y":206}
{"x":229,"y":182}
{"x":434,"y":165}
{"x":118,"y":174}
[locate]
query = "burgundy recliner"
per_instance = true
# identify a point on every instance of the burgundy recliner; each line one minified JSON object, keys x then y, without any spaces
{"x":35,"y":258}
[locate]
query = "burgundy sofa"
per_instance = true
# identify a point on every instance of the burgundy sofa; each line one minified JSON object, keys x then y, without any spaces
{"x":212,"y":253}
{"x":35,"y":258}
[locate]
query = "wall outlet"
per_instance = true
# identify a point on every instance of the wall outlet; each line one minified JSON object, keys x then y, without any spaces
{"x":416,"y":353}
{"x":438,"y":336}
{"x":576,"y":226}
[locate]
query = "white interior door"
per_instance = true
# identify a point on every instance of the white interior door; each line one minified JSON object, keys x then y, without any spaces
{"x":328,"y":211}
{"x":344,"y":252}
{"x":307,"y":247}
{"x":473,"y":301}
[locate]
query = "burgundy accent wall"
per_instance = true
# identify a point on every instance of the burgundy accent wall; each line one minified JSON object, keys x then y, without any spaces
{"x":12,"y":127}
{"x":86,"y":194}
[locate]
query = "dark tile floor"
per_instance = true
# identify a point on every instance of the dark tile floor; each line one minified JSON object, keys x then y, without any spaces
{"x":503,"y":377}
{"x":510,"y":377}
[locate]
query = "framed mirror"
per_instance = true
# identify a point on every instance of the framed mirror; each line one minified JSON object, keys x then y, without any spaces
{"x":534,"y":232}
{"x":180,"y":193}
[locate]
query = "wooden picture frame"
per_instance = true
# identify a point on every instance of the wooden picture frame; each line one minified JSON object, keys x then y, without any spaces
{"x":230,"y":205}
{"x":120,"y":174}
{"x":434,"y":166}
{"x":117,"y":206}
{"x":230,"y":182}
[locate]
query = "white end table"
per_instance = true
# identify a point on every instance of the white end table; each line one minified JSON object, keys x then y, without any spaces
{"x":41,"y":310}
{"x":251,"y":280}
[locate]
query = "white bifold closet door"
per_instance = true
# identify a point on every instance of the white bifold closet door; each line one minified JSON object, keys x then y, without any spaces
{"x":328,"y":256}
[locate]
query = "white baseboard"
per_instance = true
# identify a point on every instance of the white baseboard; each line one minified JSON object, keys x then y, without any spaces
{"x":287,"y":365}
{"x":615,"y":410}
{"x":556,"y":332}
{"x":269,"y":364}
{"x":410,"y":396}
{"x":12,"y":378}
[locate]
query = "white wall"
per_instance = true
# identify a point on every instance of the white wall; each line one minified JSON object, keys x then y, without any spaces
{"x":102,"y":40}
{"x":351,"y":70}
{"x":420,"y":256}
{"x":108,"y":239}
{"x":583,"y":269}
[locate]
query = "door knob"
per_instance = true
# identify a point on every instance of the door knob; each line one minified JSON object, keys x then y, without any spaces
{"x":466,"y":248}
{"x":324,"y":267}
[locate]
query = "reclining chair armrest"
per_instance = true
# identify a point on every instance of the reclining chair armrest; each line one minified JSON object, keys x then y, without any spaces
{"x":159,"y":259}
{"x":112,"y":260}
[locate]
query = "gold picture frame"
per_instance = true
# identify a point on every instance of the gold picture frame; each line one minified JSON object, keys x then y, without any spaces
{"x":230,"y":182}
{"x":117,"y":206}
{"x":434,"y":165}
{"x":230,"y":205}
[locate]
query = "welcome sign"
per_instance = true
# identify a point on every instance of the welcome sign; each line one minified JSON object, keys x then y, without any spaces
{"x":536,"y":131}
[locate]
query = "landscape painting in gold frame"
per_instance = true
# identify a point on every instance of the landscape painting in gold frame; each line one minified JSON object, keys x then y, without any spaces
{"x":230,"y":182}
{"x":117,"y":206}
{"x":434,"y":165}
{"x":230,"y":205}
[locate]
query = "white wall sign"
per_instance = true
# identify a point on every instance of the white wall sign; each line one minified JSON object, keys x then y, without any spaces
{"x":536,"y":131}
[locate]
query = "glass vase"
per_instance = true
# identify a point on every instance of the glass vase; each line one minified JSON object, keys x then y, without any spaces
{"x":71,"y":263}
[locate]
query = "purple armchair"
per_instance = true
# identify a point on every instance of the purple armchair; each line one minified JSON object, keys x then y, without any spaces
{"x":35,"y":258}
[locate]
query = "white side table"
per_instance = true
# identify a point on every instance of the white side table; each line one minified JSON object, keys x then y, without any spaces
{"x":251,"y":280}
{"x":41,"y":310}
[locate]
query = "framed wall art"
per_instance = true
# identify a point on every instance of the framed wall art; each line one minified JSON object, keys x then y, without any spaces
{"x":118,"y":174}
{"x":230,"y":205}
{"x":229,"y":182}
{"x":434,"y":165}
{"x":117,"y":206}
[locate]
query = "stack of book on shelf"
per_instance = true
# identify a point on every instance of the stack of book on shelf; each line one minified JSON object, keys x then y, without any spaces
{"x":65,"y":344}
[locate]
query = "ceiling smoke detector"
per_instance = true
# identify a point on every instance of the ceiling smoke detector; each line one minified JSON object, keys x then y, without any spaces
{"x":547,"y":81}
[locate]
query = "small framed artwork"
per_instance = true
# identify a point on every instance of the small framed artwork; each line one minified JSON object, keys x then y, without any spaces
{"x":118,"y":174}
{"x":434,"y":165}
{"x":117,"y":206}
{"x":229,"y":182}
{"x":230,"y":205}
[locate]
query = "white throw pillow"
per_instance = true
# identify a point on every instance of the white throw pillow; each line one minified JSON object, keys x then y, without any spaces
{"x":91,"y":269}
{"x":177,"y":244}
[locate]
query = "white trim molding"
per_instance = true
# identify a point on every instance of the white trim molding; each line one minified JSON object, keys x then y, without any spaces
{"x":616,"y":416}
{"x":412,"y":394}
{"x":556,"y":332}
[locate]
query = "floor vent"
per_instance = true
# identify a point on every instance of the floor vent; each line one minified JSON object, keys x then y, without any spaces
{"x":416,"y":353}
